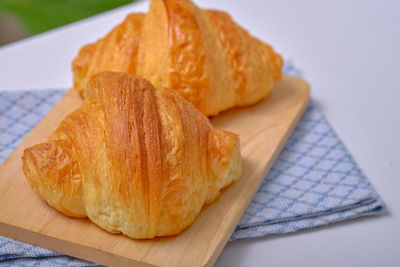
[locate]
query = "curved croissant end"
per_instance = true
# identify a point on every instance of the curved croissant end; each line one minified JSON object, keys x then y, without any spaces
{"x":134,"y":159}
{"x":53,"y":172}
{"x":202,"y":54}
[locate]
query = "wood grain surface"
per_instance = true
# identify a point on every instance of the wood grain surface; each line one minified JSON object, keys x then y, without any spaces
{"x":263,"y":129}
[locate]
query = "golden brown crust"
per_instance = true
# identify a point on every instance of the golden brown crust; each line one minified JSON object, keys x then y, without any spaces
{"x":117,"y":51}
{"x":202,"y":54}
{"x":134,"y":159}
{"x":53,"y":172}
{"x":249,"y":60}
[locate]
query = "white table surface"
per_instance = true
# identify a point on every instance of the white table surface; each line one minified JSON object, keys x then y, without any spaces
{"x":349,"y":51}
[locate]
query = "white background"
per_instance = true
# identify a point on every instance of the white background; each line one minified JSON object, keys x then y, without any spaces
{"x":349,"y":51}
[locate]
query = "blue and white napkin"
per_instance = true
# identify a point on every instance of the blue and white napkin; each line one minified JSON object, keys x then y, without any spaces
{"x":314,"y":181}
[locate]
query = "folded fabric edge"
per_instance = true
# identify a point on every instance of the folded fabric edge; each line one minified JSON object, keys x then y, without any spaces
{"x":374,"y":198}
{"x":373,"y":208}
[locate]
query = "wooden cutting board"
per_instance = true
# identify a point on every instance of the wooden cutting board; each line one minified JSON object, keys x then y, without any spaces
{"x":263,"y":129}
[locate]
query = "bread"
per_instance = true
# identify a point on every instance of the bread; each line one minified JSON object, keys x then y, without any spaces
{"x":202,"y":54}
{"x":135,"y":159}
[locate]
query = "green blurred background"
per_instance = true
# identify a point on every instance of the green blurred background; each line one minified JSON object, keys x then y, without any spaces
{"x":23,"y":18}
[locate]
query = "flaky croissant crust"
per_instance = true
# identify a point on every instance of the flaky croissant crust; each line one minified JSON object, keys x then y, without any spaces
{"x":202,"y":54}
{"x":134,"y":159}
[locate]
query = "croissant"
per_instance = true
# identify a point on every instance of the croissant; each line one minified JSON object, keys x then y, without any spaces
{"x":202,"y":54}
{"x":134,"y":159}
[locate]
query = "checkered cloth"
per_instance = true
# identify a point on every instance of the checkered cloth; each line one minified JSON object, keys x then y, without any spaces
{"x":314,"y":181}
